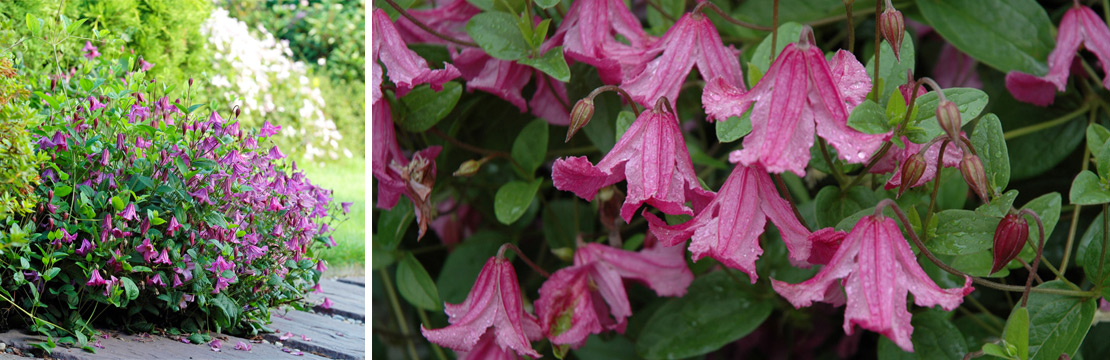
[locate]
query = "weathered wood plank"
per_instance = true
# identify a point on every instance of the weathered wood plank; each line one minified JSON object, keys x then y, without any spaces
{"x":328,"y":337}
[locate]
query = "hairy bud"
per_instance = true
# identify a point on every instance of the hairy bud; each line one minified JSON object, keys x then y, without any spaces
{"x":468,"y":168}
{"x":580,"y":116}
{"x":912,"y":170}
{"x":948,"y":115}
{"x":893,"y":28}
{"x":972,"y":170}
{"x":1009,"y":237}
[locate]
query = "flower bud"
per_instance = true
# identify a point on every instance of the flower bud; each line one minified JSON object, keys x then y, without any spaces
{"x":948,"y":115}
{"x":190,"y":81}
{"x":580,"y":116}
{"x":893,"y":28}
{"x":972,"y":170}
{"x":912,"y":170}
{"x":468,"y":168}
{"x":1009,"y":237}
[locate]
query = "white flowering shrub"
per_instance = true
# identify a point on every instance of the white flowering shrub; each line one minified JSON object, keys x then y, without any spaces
{"x":269,"y":86}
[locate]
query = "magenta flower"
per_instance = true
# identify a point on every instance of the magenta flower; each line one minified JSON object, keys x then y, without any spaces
{"x":800,"y":93}
{"x":877,"y":269}
{"x":128,"y":212}
{"x":90,"y":51}
{"x":507,"y":79}
{"x":144,"y":65}
{"x":156,"y":280}
{"x":589,"y":34}
{"x":327,"y":303}
{"x":487,"y":348}
{"x":406,"y":68}
{"x":220,"y":265}
{"x":95,"y":279}
{"x":95,"y":104}
{"x":173,"y":225}
{"x":449,"y":19}
{"x":728,"y":228}
{"x":67,"y":237}
{"x":1080,"y":27}
{"x":147,"y":250}
{"x":268,"y":129}
{"x":163,"y":257}
{"x":577,"y":292}
{"x":397,"y":174}
{"x":651,"y":156}
{"x":955,"y":69}
{"x":239,"y":345}
{"x":214,"y":345}
{"x":494,"y":301}
{"x":85,"y":247}
{"x":893,"y":160}
{"x":692,"y":40}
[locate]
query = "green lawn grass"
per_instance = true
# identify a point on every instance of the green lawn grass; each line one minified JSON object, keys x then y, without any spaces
{"x":347,"y":179}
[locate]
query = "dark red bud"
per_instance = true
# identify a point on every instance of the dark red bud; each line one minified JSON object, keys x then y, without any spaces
{"x":580,"y":116}
{"x":1009,"y":237}
{"x":972,"y":170}
{"x":948,"y":115}
{"x":190,"y":81}
{"x":893,"y":28}
{"x":912,"y":170}
{"x":237,"y":111}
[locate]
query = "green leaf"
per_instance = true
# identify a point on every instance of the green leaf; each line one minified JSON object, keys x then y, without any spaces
{"x":62,"y":190}
{"x":513,"y":198}
{"x":1004,"y":34}
{"x":999,"y":206}
{"x":892,"y":72}
{"x":659,"y":23}
{"x":961,"y":232}
{"x":530,"y":146}
{"x":1087,"y":189}
{"x":564,"y":219}
{"x":996,"y":350}
{"x":425,"y":107}
{"x":551,"y":63}
{"x":991,"y":146}
{"x":1058,"y":323}
{"x":1046,"y":206}
{"x":761,"y":58}
{"x":1090,"y":252}
{"x":832,"y":206}
{"x":50,"y":274}
{"x":615,"y":348}
{"x":129,"y":288}
{"x":462,"y":266}
{"x":734,"y":128}
{"x":415,"y":285}
{"x":969,"y":101}
{"x":216,"y":219}
{"x":934,"y":337}
{"x":869,"y":118}
{"x":624,"y":121}
{"x":227,"y":307}
{"x":497,"y":33}
{"x":1016,"y":332}
{"x":1096,"y":137}
{"x":546,"y":4}
{"x":715,"y":311}
{"x":392,"y":225}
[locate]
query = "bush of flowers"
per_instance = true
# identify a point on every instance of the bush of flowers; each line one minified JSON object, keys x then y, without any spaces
{"x":590,"y":196}
{"x":158,"y":216}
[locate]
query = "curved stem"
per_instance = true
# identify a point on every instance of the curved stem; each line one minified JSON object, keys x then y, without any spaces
{"x":658,"y":8}
{"x":878,"y":8}
{"x":625,"y":95}
{"x":1075,"y":214}
{"x":702,"y":6}
{"x":1047,"y":124}
{"x":824,"y":146}
{"x":396,"y":305}
{"x":1037,"y":259}
{"x":424,"y":27}
{"x":886,"y":146}
{"x":789,"y":198}
{"x":975,"y":279}
{"x":936,"y":185}
{"x":537,"y":268}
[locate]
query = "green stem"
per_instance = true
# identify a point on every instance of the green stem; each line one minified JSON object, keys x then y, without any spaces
{"x":774,"y":30}
{"x":979,"y":306}
{"x":828,"y":160}
{"x":1075,"y":214}
{"x":875,"y":91}
{"x":424,"y":27}
{"x":936,"y":187}
{"x":401,"y":323}
{"x":851,"y":27}
{"x":655,"y":5}
{"x":1037,"y":259}
{"x":1105,"y":240}
{"x":789,"y":198}
{"x":1047,"y":124}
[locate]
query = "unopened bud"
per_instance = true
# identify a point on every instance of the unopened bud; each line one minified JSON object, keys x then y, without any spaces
{"x":948,"y":115}
{"x":468,"y":168}
{"x":912,"y":170}
{"x":893,"y":28}
{"x":1009,"y":237}
{"x":972,"y":170}
{"x":580,"y":116}
{"x":190,"y":81}
{"x":237,"y":111}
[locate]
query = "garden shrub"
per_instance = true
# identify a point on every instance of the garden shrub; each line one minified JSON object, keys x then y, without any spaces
{"x":157,"y":215}
{"x":18,"y":161}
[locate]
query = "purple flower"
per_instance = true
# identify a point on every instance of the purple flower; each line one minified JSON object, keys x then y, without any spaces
{"x":163,"y":257}
{"x":90,"y":50}
{"x":214,"y":345}
{"x":220,"y":265}
{"x":173,"y":225}
{"x":156,"y":280}
{"x":128,"y":212}
{"x":67,"y":237}
{"x":239,"y":345}
{"x":147,"y":250}
{"x":85,"y":247}
{"x":104,"y":157}
{"x":327,"y":303}
{"x":268,"y":129}
{"x":276,"y":154}
{"x":1079,"y":27}
{"x":95,"y":279}
{"x":144,"y":65}
{"x":95,"y":104}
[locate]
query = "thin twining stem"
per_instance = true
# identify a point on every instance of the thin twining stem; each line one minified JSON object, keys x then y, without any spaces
{"x":975,"y":279}
{"x":726,"y":17}
{"x":537,"y":268}
{"x":421,"y":25}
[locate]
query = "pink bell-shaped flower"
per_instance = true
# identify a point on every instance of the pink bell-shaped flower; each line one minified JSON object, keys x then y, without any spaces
{"x":1080,"y":27}
{"x":800,"y":93}
{"x":589,"y":33}
{"x":728,"y":228}
{"x":651,"y":156}
{"x":494,"y":301}
{"x":692,"y":40}
{"x":406,"y":68}
{"x":877,"y":269}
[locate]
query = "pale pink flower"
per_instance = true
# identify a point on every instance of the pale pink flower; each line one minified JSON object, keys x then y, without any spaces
{"x":90,"y":51}
{"x":692,"y":40}
{"x":1079,"y":27}
{"x":494,"y":301}
{"x":728,"y":228}
{"x":800,"y":93}
{"x":877,"y":269}
{"x":406,"y":68}
{"x":651,"y":156}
